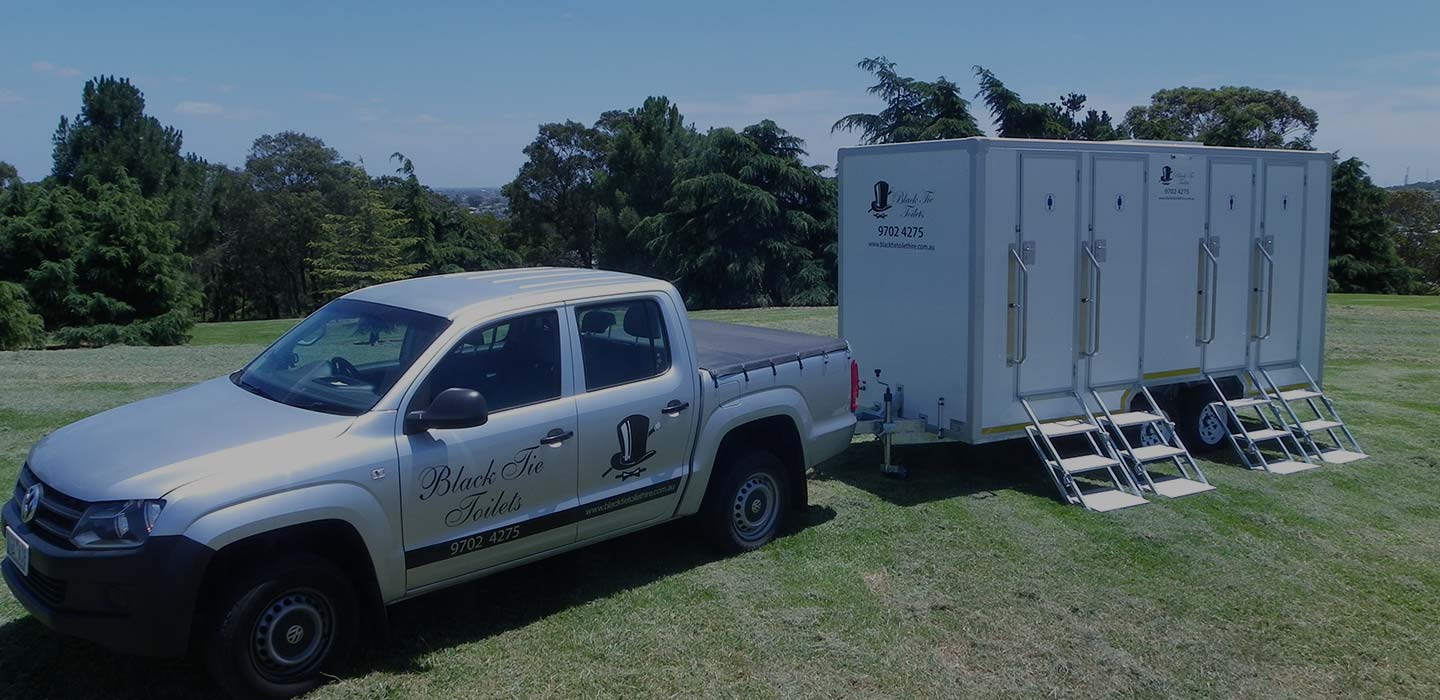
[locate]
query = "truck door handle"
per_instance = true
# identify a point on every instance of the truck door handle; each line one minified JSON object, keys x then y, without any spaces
{"x":675,"y":407}
{"x":556,"y":436}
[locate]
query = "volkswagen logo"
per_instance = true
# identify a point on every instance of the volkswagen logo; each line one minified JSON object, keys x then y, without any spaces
{"x":30,"y":502}
{"x":294,"y":634}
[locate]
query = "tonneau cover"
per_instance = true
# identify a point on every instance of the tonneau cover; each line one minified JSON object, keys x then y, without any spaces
{"x":725,"y":349}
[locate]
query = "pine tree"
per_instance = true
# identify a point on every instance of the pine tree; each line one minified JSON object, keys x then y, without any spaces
{"x":357,"y":250}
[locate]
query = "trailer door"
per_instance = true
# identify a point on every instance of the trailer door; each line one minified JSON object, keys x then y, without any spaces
{"x":1110,"y":264}
{"x":1278,"y":260}
{"x":1049,"y":244}
{"x":1224,"y":319}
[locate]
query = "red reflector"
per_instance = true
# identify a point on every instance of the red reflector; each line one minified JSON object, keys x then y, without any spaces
{"x":854,"y":386}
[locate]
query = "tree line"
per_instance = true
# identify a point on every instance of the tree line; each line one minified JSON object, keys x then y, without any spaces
{"x":130,"y":240}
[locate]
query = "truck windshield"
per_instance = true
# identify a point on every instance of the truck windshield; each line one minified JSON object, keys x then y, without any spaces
{"x":342,"y":358}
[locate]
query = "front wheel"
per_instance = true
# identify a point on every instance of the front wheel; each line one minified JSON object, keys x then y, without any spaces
{"x":281,"y":627}
{"x":746,"y":507}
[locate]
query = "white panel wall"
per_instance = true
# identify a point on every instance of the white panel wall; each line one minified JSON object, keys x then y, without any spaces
{"x":904,"y":269}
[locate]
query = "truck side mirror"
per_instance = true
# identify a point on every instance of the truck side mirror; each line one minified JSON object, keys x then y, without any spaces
{"x":454,"y":408}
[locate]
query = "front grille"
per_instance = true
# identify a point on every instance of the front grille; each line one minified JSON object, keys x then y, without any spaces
{"x":58,"y":513}
{"x":51,"y":590}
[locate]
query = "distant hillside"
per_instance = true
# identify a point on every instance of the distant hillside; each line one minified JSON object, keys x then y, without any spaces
{"x":1432,"y":186}
{"x":481,"y":200}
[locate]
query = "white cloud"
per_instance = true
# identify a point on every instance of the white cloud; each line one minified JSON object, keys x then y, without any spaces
{"x":8,"y":97}
{"x":202,"y":109}
{"x":48,"y":68}
{"x":425,"y":119}
{"x":225,"y":88}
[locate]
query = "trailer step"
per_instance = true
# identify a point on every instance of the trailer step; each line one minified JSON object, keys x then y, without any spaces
{"x":1289,"y":467}
{"x":1342,"y":456}
{"x":1246,"y":402}
{"x":1264,"y":434}
{"x":1175,"y":487}
{"x":1311,"y":426}
{"x":1155,"y":453}
{"x":1062,"y":428}
{"x":1131,"y":418}
{"x":1111,"y":499}
{"x":1322,"y":422}
{"x":1087,"y":463}
{"x":1167,"y":446}
{"x":1100,"y":458}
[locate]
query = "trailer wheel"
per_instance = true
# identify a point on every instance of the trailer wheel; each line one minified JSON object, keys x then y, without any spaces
{"x":745,"y":507}
{"x":281,"y":627}
{"x":1200,"y":427}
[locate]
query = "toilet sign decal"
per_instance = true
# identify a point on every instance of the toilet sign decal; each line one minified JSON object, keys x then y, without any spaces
{"x":1285,"y":202}
{"x":1049,"y":202}
{"x":1232,"y":202}
{"x":1119,"y":202}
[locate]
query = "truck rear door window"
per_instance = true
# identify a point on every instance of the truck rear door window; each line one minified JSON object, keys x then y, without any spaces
{"x":622,"y":342}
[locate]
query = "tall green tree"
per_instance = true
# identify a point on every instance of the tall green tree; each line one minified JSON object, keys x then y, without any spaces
{"x":302,"y":182}
{"x":1362,"y":239}
{"x":1226,"y":116}
{"x":1016,"y":118}
{"x":361,"y":249}
{"x":915,"y":110}
{"x":645,"y":146}
{"x":1416,"y":215}
{"x":749,"y":223}
{"x":553,"y":198}
{"x":112,"y":137}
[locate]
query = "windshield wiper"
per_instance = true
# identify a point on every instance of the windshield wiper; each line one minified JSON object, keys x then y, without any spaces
{"x":256,"y":390}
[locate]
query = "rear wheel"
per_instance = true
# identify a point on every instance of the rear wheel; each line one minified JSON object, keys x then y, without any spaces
{"x":1200,"y":426}
{"x":281,"y":627}
{"x":745,"y":508}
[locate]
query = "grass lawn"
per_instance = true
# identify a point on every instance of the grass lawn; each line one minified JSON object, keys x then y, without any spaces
{"x":968,"y":580}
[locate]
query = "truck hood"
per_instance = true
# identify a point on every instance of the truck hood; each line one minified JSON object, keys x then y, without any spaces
{"x":150,"y":447}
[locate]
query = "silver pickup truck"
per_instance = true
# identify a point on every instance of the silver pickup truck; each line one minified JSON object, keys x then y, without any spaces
{"x":405,"y":438}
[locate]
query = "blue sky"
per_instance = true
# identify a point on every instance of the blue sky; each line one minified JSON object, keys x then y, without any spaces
{"x":460,"y":87}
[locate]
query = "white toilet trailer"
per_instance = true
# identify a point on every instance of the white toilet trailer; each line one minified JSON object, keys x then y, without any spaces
{"x":1082,"y":294}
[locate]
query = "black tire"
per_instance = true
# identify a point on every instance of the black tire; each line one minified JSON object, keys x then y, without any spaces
{"x":278,"y":629}
{"x":1200,"y":428}
{"x":746,"y":505}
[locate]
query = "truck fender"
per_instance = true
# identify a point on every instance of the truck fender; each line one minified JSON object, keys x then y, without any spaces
{"x":778,"y":401}
{"x":344,"y":502}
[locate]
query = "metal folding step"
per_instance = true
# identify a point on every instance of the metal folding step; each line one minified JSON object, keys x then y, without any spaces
{"x":1098,"y":460}
{"x":1167,"y":448}
{"x":1246,"y":439}
{"x":1343,"y":448}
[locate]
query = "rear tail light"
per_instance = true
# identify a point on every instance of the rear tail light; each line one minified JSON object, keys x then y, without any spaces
{"x":854,"y":386}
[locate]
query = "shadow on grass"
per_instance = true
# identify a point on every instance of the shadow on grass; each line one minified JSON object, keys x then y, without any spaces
{"x":35,"y":662}
{"x":941,"y":471}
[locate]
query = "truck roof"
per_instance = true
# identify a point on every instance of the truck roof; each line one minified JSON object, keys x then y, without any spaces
{"x":456,"y":294}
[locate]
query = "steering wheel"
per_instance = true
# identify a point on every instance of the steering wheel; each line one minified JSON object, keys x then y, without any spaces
{"x":341,"y":367}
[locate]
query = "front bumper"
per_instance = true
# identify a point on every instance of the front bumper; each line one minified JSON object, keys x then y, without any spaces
{"x":137,"y":601}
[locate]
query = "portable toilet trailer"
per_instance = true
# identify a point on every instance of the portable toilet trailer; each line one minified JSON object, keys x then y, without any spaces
{"x":1111,"y":302}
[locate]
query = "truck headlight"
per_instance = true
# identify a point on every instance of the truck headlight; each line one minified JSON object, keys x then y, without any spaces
{"x":117,"y":524}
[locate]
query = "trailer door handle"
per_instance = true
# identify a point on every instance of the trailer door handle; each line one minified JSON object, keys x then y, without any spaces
{"x":556,"y":436}
{"x":674,"y":408}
